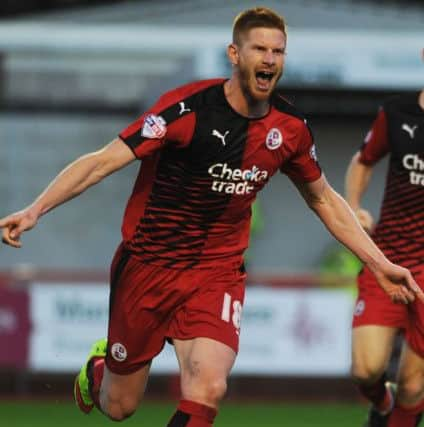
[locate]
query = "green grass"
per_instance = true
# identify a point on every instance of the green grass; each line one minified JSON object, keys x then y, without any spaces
{"x":57,"y":414}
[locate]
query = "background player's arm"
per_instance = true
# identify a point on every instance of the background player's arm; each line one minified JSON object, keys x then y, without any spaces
{"x":69,"y":183}
{"x":340,"y":220}
{"x":356,"y":183}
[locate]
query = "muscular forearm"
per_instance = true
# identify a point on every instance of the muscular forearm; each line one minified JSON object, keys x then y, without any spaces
{"x":340,"y":220}
{"x":82,"y":174}
{"x":72,"y":181}
{"x":357,"y":179}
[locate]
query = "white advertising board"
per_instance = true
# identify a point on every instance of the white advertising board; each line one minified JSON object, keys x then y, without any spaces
{"x":295,"y":332}
{"x":66,"y":319}
{"x":284,"y":331}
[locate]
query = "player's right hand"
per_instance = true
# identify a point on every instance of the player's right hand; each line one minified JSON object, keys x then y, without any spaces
{"x":365,"y":219}
{"x":398,"y":283}
{"x":15,"y":224}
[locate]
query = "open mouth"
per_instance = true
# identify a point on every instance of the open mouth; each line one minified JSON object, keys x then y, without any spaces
{"x":264,"y":78}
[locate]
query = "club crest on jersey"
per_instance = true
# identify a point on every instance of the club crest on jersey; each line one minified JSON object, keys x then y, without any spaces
{"x":274,"y":139}
{"x":154,"y":127}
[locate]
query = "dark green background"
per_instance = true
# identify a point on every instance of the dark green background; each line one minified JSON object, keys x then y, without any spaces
{"x":59,"y":414}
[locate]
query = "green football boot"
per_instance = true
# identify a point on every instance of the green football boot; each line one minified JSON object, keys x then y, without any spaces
{"x":81,"y":386}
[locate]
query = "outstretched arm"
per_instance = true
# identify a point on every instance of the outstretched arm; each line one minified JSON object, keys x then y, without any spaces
{"x":340,"y":220}
{"x":69,"y":183}
{"x":356,"y":183}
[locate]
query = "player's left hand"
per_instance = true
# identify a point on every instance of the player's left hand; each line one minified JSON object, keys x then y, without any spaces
{"x":398,"y":283}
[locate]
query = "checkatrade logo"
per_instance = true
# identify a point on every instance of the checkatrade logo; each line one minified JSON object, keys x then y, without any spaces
{"x":415,"y":165}
{"x":235,"y":181}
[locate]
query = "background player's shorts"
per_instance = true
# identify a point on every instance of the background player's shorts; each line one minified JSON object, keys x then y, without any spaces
{"x":374,"y":307}
{"x":415,"y":332}
{"x":149,"y":304}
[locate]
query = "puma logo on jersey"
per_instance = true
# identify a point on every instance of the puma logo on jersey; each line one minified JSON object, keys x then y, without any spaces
{"x":410,"y":130}
{"x":183,"y":108}
{"x":220,"y":136}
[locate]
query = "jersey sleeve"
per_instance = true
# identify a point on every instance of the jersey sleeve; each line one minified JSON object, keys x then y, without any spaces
{"x":162,"y":124}
{"x":375,"y":145}
{"x":303,"y":164}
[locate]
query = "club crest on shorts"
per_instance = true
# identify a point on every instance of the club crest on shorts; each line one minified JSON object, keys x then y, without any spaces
{"x":359,"y":308}
{"x":154,"y":127}
{"x":274,"y":139}
{"x":118,"y":352}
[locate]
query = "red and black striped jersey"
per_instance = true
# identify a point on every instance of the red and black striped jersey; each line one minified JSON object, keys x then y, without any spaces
{"x":202,"y":165}
{"x":399,"y":131}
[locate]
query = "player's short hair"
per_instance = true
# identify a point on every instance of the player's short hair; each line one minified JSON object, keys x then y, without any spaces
{"x":254,"y":18}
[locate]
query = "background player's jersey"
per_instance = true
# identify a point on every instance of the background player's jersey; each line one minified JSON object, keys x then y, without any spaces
{"x":399,"y":130}
{"x":202,"y":165}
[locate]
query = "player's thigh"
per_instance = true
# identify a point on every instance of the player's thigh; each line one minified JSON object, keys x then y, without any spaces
{"x":213,"y":310}
{"x":143,"y":300}
{"x":372,"y":346}
{"x":410,"y":376}
{"x":204,"y":364}
{"x":124,"y":390}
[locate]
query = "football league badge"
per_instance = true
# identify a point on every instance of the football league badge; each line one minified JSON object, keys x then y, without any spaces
{"x":274,"y":139}
{"x":154,"y":127}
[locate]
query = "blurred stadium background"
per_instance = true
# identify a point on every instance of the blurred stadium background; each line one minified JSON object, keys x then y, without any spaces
{"x":72,"y":75}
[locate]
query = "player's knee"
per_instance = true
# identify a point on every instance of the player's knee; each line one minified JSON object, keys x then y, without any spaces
{"x":119,"y":411}
{"x":215,"y":390}
{"x":119,"y":408}
{"x":205,"y":390}
{"x":410,"y":390}
{"x":366,"y":373}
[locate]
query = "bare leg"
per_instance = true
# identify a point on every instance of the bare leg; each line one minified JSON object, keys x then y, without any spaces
{"x":409,"y":403}
{"x":371,"y":350}
{"x":372,"y":347}
{"x":205,"y":365}
{"x":120,"y":395}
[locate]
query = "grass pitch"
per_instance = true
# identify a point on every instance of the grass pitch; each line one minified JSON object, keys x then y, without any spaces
{"x":54,"y":414}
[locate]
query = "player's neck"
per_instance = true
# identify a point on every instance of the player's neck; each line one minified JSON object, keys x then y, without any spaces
{"x":243,"y":103}
{"x":421,"y":99}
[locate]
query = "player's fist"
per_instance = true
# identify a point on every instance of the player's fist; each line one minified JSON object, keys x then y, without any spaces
{"x":15,"y":224}
{"x":365,"y":219}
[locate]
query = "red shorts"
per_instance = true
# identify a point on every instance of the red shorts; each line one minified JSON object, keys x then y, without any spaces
{"x":149,"y":304}
{"x":374,"y":307}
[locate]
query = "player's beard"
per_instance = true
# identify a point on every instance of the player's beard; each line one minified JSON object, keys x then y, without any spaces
{"x":248,"y":85}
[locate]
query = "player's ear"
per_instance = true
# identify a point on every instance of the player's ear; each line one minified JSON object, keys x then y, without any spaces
{"x":232,"y":53}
